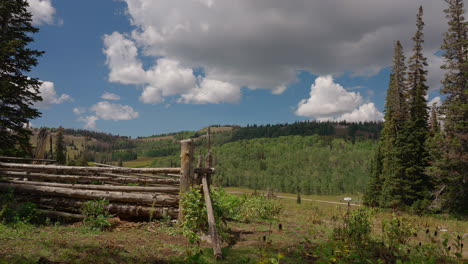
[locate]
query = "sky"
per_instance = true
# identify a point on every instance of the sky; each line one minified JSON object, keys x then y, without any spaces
{"x":144,"y":67}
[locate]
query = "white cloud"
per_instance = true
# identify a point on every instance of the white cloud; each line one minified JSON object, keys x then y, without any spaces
{"x":212,"y":91}
{"x":90,"y":121}
{"x":108,"y":111}
{"x":166,"y":78}
{"x":122,"y":60}
{"x":110,"y":96}
{"x":365,"y":112}
{"x":79,"y":110}
{"x":328,"y":99}
{"x":49,"y":96}
{"x":42,"y":10}
{"x":437,"y":100}
{"x":262,"y":44}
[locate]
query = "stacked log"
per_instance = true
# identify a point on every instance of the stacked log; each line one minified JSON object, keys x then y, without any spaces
{"x":61,"y":191}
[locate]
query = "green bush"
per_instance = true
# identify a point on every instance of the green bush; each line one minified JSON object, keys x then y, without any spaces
{"x":247,"y":208}
{"x":356,"y":229}
{"x":96,"y":215}
{"x":397,"y":230}
{"x":14,"y":212}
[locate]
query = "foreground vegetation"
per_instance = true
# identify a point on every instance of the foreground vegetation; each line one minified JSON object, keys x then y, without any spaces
{"x":309,"y":232}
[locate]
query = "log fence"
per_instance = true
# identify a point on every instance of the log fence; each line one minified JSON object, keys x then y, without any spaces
{"x":133,"y":193}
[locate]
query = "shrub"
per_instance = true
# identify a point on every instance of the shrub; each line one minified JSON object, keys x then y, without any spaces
{"x":247,"y":208}
{"x":14,"y":212}
{"x":397,"y":230}
{"x":356,"y":229}
{"x":96,"y":215}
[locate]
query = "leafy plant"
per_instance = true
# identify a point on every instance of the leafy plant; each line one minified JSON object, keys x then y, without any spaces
{"x":356,"y":229}
{"x":397,"y":230}
{"x":96,"y":215}
{"x":17,"y":213}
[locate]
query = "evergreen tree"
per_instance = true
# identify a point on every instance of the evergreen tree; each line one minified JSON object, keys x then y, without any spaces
{"x":392,"y":178}
{"x":374,"y":188}
{"x":452,"y":166}
{"x":434,"y":127}
{"x":17,"y":90}
{"x":59,"y":148}
{"x":415,"y":133}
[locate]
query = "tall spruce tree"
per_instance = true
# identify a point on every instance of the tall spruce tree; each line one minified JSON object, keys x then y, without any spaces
{"x":394,"y":183}
{"x":415,"y":132}
{"x":452,"y":167}
{"x":17,"y":90}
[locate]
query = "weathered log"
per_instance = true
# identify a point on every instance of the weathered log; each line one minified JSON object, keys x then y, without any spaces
{"x":57,"y":214}
{"x":211,"y":220}
{"x":84,"y":178}
{"x":142,"y":189}
{"x":139,"y":174}
{"x":120,"y":210}
{"x":71,"y":169}
{"x":141,"y":198}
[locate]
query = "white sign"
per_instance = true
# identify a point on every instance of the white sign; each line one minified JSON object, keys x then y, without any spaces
{"x":348,"y":199}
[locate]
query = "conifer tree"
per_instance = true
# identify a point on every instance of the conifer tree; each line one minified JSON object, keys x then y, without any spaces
{"x":434,"y":127}
{"x":452,"y":166}
{"x":17,"y":90}
{"x":392,"y":177}
{"x":374,"y":188}
{"x":415,"y":132}
{"x":59,"y":147}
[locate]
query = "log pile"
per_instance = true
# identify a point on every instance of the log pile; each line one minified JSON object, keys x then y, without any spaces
{"x":62,"y":190}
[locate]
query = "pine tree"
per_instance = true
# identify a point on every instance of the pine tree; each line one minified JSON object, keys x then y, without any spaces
{"x":374,"y":188}
{"x":415,"y":132}
{"x":452,"y":166}
{"x":434,"y":127}
{"x":59,"y":147}
{"x":17,"y":90}
{"x":394,"y":183}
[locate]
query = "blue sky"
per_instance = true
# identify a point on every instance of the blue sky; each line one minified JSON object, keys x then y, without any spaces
{"x":184,"y":64}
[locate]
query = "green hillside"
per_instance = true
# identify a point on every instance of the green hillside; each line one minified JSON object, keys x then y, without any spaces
{"x":305,"y":164}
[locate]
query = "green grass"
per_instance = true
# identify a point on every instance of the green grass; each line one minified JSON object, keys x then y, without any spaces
{"x":154,"y":242}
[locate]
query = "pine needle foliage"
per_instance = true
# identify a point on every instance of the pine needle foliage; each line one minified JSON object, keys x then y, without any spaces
{"x":18,"y":91}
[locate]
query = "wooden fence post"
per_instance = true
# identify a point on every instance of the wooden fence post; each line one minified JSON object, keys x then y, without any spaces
{"x":186,"y":167}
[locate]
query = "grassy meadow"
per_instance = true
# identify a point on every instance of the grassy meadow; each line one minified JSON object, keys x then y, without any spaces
{"x":305,"y":236}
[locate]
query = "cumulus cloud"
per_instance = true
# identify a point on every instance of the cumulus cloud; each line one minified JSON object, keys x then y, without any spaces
{"x":79,"y":110}
{"x":106,"y":111}
{"x":365,"y":112}
{"x":328,"y":99}
{"x":49,"y":96}
{"x":262,"y":44}
{"x":212,"y":91}
{"x":110,"y":96}
{"x":42,"y":10}
{"x":167,"y":77}
{"x":89,"y":121}
{"x":122,"y":60}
